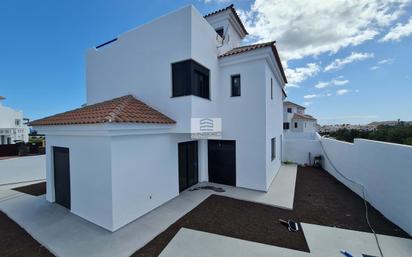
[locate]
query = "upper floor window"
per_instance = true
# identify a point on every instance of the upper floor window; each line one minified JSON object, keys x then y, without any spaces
{"x":285,"y":125}
{"x":190,"y":78}
{"x":289,"y":110}
{"x":17,"y":122}
{"x":235,"y":85}
{"x":220,"y":32}
{"x":296,"y":125}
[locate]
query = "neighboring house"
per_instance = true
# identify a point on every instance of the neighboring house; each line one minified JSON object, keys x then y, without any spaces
{"x":130,"y":149}
{"x":295,"y":119}
{"x":12,"y":127}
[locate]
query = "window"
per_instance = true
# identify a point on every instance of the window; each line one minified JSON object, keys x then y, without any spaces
{"x":190,"y":78}
{"x":236,"y":85}
{"x":285,"y":125}
{"x":17,"y":122}
{"x":220,"y":32}
{"x":273,"y":147}
{"x":271,"y":88}
{"x":289,"y":110}
{"x":296,"y":124}
{"x":305,"y":124}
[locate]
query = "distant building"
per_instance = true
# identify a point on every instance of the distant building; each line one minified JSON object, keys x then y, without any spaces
{"x":295,"y":119}
{"x":12,"y":127}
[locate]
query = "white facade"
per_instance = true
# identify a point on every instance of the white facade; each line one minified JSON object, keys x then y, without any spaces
{"x":119,"y":172}
{"x":12,"y":129}
{"x":295,"y":119}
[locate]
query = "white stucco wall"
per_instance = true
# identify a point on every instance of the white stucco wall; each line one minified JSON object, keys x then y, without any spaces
{"x":382,"y":168}
{"x":274,"y":124}
{"x":90,"y":176}
{"x":144,"y":174}
{"x":139,"y":63}
{"x":243,"y":120}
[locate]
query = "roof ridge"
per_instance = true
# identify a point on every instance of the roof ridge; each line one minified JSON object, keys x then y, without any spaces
{"x":268,"y":43}
{"x":114,"y":114}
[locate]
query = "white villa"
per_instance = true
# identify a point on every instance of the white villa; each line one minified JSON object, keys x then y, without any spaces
{"x":130,"y":149}
{"x":295,"y":119}
{"x":12,"y":127}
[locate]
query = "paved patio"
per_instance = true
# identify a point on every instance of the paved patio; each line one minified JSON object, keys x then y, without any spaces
{"x":322,"y":241}
{"x":66,"y":234}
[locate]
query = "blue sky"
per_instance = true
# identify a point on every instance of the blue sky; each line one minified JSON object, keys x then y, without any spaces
{"x":348,"y":64}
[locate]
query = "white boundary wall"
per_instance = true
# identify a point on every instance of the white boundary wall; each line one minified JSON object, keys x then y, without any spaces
{"x":384,"y":169}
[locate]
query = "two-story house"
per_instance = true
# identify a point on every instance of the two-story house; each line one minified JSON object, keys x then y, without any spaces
{"x":130,"y":149}
{"x":12,"y":127}
{"x":295,"y":119}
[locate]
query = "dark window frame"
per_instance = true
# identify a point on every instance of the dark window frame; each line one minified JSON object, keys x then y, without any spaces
{"x":232,"y":81}
{"x":296,"y":125}
{"x":222,"y":34}
{"x":273,"y":148}
{"x":271,"y":88}
{"x":289,"y":110}
{"x":286,"y":125}
{"x":188,"y":76}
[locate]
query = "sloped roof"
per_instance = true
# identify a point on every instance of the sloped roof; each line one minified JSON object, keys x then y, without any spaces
{"x":247,"y":48}
{"x":126,"y":109}
{"x":2,"y":97}
{"x":297,"y":116}
{"x":232,"y":8}
{"x":290,"y":103}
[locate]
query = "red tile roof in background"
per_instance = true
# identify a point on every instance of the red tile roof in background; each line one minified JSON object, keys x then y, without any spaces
{"x":125,"y":109}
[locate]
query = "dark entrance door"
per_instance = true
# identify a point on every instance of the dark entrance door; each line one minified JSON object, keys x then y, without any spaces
{"x":188,"y":171}
{"x":222,"y":161}
{"x":61,"y":176}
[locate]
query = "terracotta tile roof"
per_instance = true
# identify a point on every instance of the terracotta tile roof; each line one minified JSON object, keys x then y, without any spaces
{"x":123,"y":109}
{"x":232,"y":8}
{"x":243,"y":49}
{"x":297,"y":116}
{"x":290,"y":103}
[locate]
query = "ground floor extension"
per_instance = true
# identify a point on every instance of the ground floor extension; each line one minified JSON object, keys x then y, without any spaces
{"x":112,"y":179}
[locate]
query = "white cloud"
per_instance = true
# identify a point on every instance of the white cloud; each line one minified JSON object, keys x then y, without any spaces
{"x":384,"y":61}
{"x":311,"y":96}
{"x":345,"y":91}
{"x":292,"y":86}
{"x":307,"y":103}
{"x":380,"y":63}
{"x":342,"y":91}
{"x":297,"y":75}
{"x":312,"y":27}
{"x":322,"y":84}
{"x":398,"y":32}
{"x":339,"y":81}
{"x":354,"y":56}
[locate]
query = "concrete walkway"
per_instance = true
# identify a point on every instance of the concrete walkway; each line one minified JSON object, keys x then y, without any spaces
{"x":280,"y":194}
{"x":66,"y":234}
{"x":22,"y":169}
{"x":322,"y":241}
